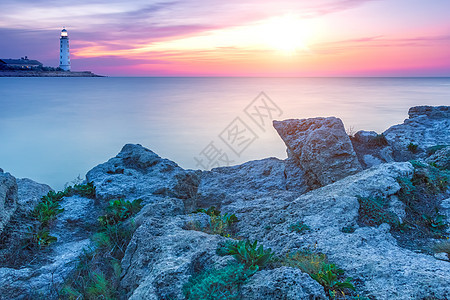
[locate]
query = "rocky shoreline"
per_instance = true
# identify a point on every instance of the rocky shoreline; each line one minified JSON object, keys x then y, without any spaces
{"x":32,"y":73}
{"x":343,"y":217}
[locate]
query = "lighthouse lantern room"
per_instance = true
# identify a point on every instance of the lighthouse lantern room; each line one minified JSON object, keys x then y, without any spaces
{"x":64,"y":54}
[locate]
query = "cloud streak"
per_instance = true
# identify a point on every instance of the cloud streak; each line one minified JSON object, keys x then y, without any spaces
{"x":182,"y":36}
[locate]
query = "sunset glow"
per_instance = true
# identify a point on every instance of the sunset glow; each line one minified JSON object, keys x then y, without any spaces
{"x":235,"y":38}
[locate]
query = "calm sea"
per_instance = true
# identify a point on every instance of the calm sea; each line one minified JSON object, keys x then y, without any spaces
{"x":54,"y":129}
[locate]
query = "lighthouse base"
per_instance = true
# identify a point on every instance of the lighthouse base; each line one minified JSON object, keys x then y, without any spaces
{"x":64,"y":67}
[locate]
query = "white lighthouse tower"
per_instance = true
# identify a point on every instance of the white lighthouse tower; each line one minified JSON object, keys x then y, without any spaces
{"x":64,"y":54}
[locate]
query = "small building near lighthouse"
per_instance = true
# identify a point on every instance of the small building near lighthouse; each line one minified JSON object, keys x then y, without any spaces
{"x":20,"y":64}
{"x":64,"y":52}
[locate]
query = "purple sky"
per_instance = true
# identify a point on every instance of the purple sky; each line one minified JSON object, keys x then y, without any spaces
{"x":254,"y":38}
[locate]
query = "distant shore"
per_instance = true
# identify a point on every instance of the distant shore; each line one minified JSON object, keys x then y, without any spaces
{"x":30,"y":73}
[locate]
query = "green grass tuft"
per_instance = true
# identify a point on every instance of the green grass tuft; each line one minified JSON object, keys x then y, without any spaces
{"x":373,"y":212}
{"x":413,"y":148}
{"x":247,"y":253}
{"x":218,"y":223}
{"x":218,"y":284}
{"x":299,"y":227}
{"x":316,"y":265}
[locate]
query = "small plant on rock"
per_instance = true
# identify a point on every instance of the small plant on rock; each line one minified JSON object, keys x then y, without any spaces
{"x":413,"y":148}
{"x":407,"y":190}
{"x":299,"y":227}
{"x":85,"y":190}
{"x":100,"y":287}
{"x":328,"y":278}
{"x":317,"y":266}
{"x":373,"y":212}
{"x":38,"y":238}
{"x":98,"y":273}
{"x":218,"y":224}
{"x":308,"y":261}
{"x":46,"y":211}
{"x":348,"y":229}
{"x":436,"y":222}
{"x":247,"y":253}
{"x":120,"y":210}
{"x":218,"y":284}
{"x":431,"y":179}
{"x":212,"y":211}
{"x":221,"y":224}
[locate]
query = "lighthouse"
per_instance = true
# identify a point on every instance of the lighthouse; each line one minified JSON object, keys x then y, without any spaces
{"x":64,"y":54}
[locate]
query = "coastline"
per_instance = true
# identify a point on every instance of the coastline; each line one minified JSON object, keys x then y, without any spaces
{"x":371,"y":204}
{"x":30,"y":73}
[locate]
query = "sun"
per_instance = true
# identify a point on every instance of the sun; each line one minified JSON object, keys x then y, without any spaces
{"x":286,"y":34}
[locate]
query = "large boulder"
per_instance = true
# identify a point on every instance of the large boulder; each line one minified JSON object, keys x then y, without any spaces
{"x":321,"y":147}
{"x":370,"y":255}
{"x":137,"y":172}
{"x":8,"y":198}
{"x":162,"y":256}
{"x":30,"y":193}
{"x":45,"y":275}
{"x":225,"y":185}
{"x":426,"y":126}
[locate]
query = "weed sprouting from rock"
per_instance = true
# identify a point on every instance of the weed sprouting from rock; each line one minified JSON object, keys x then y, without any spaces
{"x":348,"y":229}
{"x":421,"y":195}
{"x":85,"y":190}
{"x":47,"y":211}
{"x":316,"y":265}
{"x":98,"y":273}
{"x":225,"y":283}
{"x":120,"y":210}
{"x":299,"y":227}
{"x":373,"y":212}
{"x":413,"y":148}
{"x":435,"y":222}
{"x":212,"y":211}
{"x":247,"y":253}
{"x":220,"y":284}
{"x":38,"y":238}
{"x":218,"y":223}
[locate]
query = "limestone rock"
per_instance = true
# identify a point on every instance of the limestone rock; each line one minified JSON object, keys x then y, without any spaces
{"x":426,"y":126}
{"x":45,"y":277}
{"x":371,"y":148}
{"x":162,"y":256}
{"x":137,"y":172}
{"x":445,"y":209}
{"x":44,"y":281}
{"x":30,"y":193}
{"x":8,"y":198}
{"x":370,"y":254}
{"x":397,"y":207}
{"x":365,"y":136}
{"x":432,"y":112}
{"x":225,"y":185}
{"x":282,"y":283}
{"x":321,"y":148}
{"x":440,"y":158}
{"x":370,"y":160}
